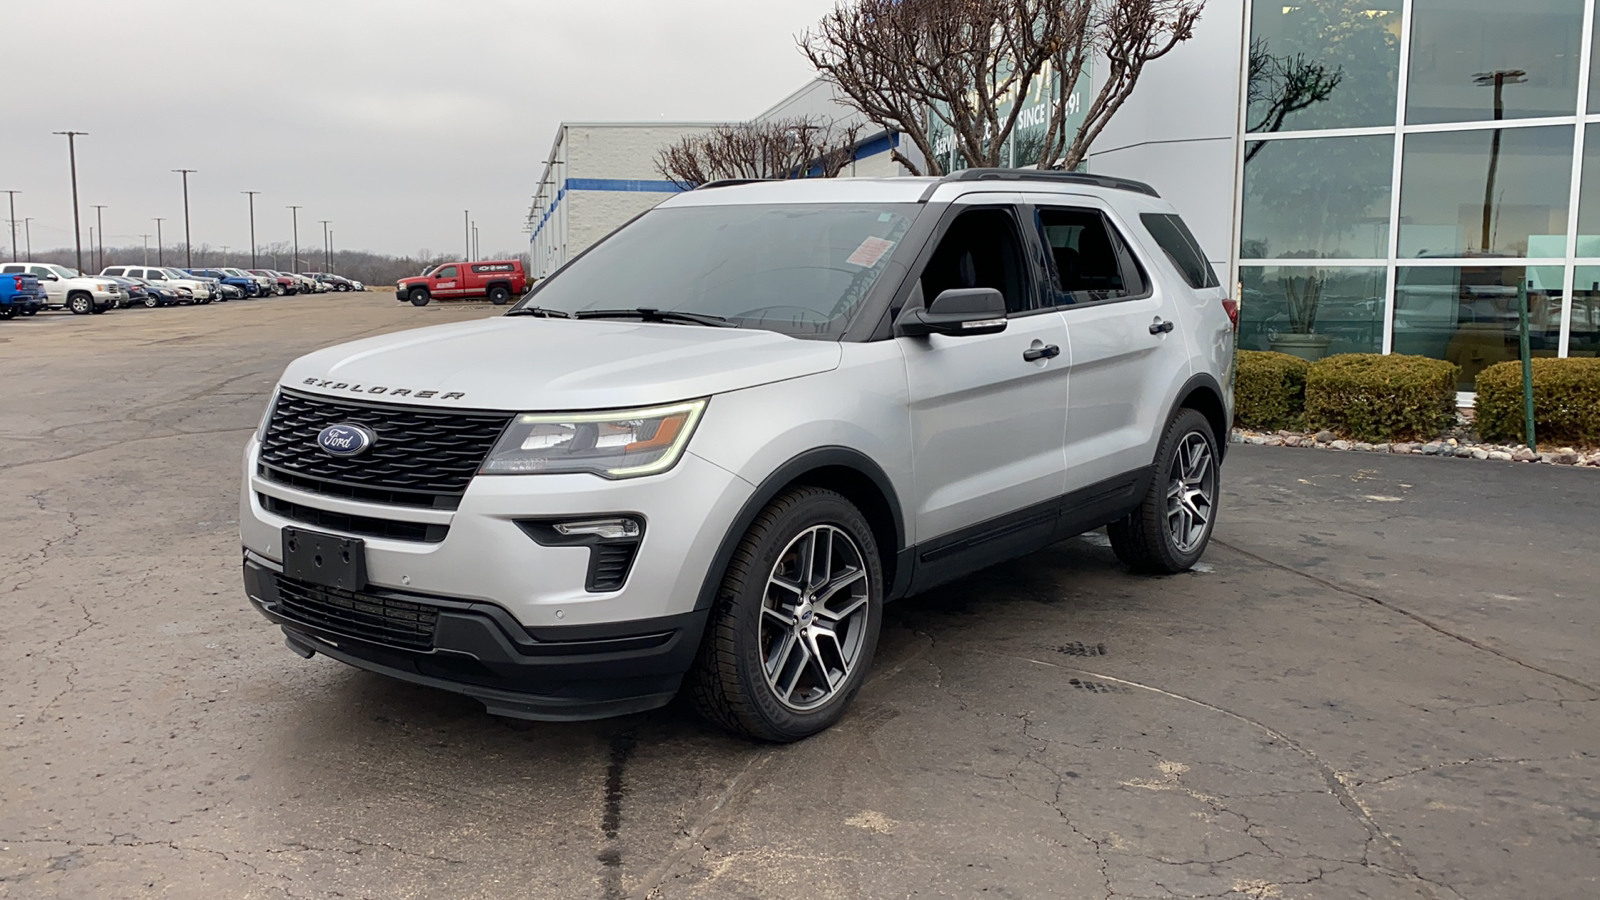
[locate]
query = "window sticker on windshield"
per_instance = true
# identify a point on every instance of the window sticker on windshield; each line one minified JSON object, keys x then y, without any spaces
{"x":871,"y":250}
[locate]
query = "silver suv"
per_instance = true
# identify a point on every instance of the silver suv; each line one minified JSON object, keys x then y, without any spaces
{"x":706,"y":452}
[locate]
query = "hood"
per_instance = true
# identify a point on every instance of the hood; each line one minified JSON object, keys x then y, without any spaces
{"x":527,"y":363}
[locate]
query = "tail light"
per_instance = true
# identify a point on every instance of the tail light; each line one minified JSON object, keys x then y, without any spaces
{"x":1232,"y":307}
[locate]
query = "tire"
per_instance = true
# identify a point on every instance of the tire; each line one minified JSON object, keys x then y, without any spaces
{"x":99,"y":310}
{"x":341,"y":288}
{"x":277,"y":290}
{"x":151,"y":302}
{"x":6,"y":312}
{"x":80,"y":304}
{"x":499,"y":296}
{"x":418,"y":297}
{"x":757,"y":617}
{"x":1183,"y":492}
{"x":30,"y":312}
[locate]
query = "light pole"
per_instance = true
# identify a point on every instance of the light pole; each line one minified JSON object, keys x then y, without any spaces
{"x":474,"y":241}
{"x":146,"y":239}
{"x":72,"y":156}
{"x":295,"y":259}
{"x":252,"y":226}
{"x":330,"y":250}
{"x":188,"y":260}
{"x":27,"y":233}
{"x":161,"y":258}
{"x":1497,"y":79}
{"x":325,"y":249}
{"x":13,"y":224}
{"x":466,"y":227}
{"x":99,"y":222}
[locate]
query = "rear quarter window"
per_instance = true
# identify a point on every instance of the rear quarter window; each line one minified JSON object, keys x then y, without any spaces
{"x":1178,"y":242}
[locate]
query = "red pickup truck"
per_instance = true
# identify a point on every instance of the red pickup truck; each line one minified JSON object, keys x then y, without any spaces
{"x":498,"y":279}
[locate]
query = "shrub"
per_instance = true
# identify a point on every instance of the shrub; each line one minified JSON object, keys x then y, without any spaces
{"x":1372,"y":397}
{"x":1566,"y":401}
{"x":1269,"y":390}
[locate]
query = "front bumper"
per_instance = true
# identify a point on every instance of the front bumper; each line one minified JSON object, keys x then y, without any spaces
{"x":556,"y":674}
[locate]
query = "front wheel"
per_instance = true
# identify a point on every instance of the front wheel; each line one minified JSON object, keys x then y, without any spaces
{"x":151,"y":302}
{"x":342,"y":288}
{"x":1169,"y":531}
{"x":418,"y":297}
{"x":796,"y":620}
{"x":80,"y":304}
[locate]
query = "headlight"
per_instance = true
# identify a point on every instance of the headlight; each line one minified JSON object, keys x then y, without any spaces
{"x":620,"y":444}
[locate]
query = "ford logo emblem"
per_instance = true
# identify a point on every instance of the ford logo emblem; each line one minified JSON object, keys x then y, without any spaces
{"x":345,"y":440}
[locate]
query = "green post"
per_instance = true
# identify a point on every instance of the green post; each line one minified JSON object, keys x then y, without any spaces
{"x":1527,"y":367}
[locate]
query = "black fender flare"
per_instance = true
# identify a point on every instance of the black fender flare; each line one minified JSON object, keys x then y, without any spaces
{"x":784,"y":475}
{"x":1218,"y":417}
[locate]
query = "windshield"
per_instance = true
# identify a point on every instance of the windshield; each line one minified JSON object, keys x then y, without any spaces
{"x":178,"y":274}
{"x":800,"y":269}
{"x":65,"y":272}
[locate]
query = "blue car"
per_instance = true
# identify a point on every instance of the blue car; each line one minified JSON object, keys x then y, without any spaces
{"x":247,"y":285}
{"x":21,"y":295}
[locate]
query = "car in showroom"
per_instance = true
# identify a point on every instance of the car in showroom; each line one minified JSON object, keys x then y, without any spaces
{"x":705,"y":453}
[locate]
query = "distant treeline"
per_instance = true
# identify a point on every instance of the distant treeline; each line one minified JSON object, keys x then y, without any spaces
{"x":376,"y":270}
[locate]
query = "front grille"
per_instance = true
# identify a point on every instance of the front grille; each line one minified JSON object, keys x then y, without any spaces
{"x":367,"y":526}
{"x":427,"y":453}
{"x":369,"y":617}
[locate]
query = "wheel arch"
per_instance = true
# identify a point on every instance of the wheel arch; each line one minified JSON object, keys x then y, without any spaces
{"x":845,"y":471}
{"x":1203,"y":394}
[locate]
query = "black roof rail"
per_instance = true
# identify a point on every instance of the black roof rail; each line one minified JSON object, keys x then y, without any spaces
{"x":1084,"y":178}
{"x":731,"y":182}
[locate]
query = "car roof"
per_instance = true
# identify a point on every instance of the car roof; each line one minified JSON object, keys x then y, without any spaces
{"x":914,"y":189}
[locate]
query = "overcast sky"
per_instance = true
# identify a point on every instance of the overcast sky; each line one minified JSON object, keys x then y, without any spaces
{"x":388,"y":117}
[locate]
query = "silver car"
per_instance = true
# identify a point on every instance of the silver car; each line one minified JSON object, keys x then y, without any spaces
{"x":707,"y":452}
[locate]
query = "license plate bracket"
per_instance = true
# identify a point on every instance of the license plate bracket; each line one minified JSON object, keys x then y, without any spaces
{"x":325,"y":559}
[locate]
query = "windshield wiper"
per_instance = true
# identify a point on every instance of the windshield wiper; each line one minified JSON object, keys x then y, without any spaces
{"x":648,"y":314}
{"x":539,"y":311}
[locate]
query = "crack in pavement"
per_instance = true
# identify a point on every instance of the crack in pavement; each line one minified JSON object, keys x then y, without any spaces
{"x":1415,"y":617}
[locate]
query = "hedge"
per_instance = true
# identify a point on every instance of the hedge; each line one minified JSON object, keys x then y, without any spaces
{"x":1373,"y":397}
{"x":1566,"y":401}
{"x":1269,"y":390}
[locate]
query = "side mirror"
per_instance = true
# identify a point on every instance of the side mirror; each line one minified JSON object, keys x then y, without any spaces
{"x":960,"y":312}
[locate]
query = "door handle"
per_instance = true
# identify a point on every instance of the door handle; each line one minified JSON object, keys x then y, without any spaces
{"x":1034,"y":354}
{"x":1160,"y":327}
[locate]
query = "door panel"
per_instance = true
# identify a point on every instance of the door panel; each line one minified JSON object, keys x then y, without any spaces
{"x":1121,"y":370}
{"x":986,"y":424}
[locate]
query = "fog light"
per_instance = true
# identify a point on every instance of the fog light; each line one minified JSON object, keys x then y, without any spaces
{"x":606,"y":529}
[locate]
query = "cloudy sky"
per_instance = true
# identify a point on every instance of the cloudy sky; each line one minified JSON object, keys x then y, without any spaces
{"x":388,"y":117}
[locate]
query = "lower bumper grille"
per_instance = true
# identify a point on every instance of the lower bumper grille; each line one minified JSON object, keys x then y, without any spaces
{"x":368,"y":617}
{"x":366,"y":526}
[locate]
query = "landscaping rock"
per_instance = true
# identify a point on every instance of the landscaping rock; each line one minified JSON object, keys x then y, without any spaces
{"x":1432,"y":448}
{"x":1400,"y":448}
{"x":1563,"y":457}
{"x":1255,"y":439}
{"x":1324,"y":437}
{"x":1339,"y":445}
{"x":1479,"y":453}
{"x":1462,"y":452}
{"x":1364,"y":446}
{"x":1500,"y":455}
{"x":1523,"y":454}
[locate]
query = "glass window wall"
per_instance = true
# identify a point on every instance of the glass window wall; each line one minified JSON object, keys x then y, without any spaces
{"x":1487,"y":191}
{"x":1323,"y":64}
{"x":1477,"y":60}
{"x":1317,"y":198}
{"x":1469,"y":315}
{"x":1584,"y":339}
{"x":1312,"y":310}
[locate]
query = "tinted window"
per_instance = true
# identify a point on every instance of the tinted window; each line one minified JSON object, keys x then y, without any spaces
{"x":981,"y":250}
{"x":1087,"y":257}
{"x":114,"y":271}
{"x":446,"y":272}
{"x":12,"y":269}
{"x":796,"y":269}
{"x":1178,"y":242}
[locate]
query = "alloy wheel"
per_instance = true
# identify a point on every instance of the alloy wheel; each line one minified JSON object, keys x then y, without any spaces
{"x":814,"y":618}
{"x":1191,"y":492}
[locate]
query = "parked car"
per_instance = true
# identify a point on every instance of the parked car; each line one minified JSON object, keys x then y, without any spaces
{"x":136,"y":294}
{"x":500,"y":280}
{"x":283,"y":284}
{"x":168,"y":294}
{"x":246,"y":285}
{"x":311,"y":284}
{"x":264,"y":285}
{"x":201,"y":290}
{"x":232,"y":292}
{"x":333,"y":282}
{"x":707,"y":451}
{"x":21,"y":295}
{"x":67,"y":288}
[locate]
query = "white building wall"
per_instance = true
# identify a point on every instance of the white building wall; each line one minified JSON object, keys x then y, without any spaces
{"x":1179,"y":130}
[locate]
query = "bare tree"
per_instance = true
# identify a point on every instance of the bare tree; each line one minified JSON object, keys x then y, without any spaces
{"x":967,"y":64}
{"x":1281,"y":86}
{"x":780,"y":149}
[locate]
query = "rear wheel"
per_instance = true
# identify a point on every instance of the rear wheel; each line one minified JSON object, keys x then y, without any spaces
{"x":341,"y":288}
{"x":796,"y":620}
{"x":80,"y":304}
{"x":499,"y":296}
{"x":418,"y":297}
{"x":1169,"y":531}
{"x":7,"y":312}
{"x":151,"y":302}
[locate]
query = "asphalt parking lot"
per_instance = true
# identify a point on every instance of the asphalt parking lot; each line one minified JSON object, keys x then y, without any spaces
{"x":1382,"y":684}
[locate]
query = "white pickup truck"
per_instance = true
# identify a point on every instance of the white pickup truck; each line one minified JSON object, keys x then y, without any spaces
{"x":70,"y":289}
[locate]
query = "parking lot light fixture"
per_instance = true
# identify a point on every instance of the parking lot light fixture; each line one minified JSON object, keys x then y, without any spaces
{"x":295,"y":215}
{"x":161,"y":258}
{"x":188,"y":260}
{"x":325,"y":245}
{"x":252,"y":226}
{"x":13,"y":224}
{"x":100,"y":226}
{"x":72,"y":157}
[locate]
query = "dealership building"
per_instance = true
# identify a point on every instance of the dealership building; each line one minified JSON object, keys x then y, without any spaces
{"x":1371,"y":175}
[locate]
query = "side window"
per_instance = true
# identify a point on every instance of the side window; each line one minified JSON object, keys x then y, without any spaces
{"x":155,"y":275}
{"x":1088,"y":257}
{"x":1180,"y":246}
{"x":113,"y":272}
{"x":40,"y":271}
{"x":446,"y":272}
{"x":982,"y":249}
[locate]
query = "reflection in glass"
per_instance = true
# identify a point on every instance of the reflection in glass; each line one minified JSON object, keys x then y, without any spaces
{"x":1585,"y":337}
{"x":1589,"y":193}
{"x":1463,"y":193}
{"x":1454,"y":43}
{"x":1320,"y":310}
{"x":1323,"y":64}
{"x":1469,"y":315}
{"x":1317,"y":198}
